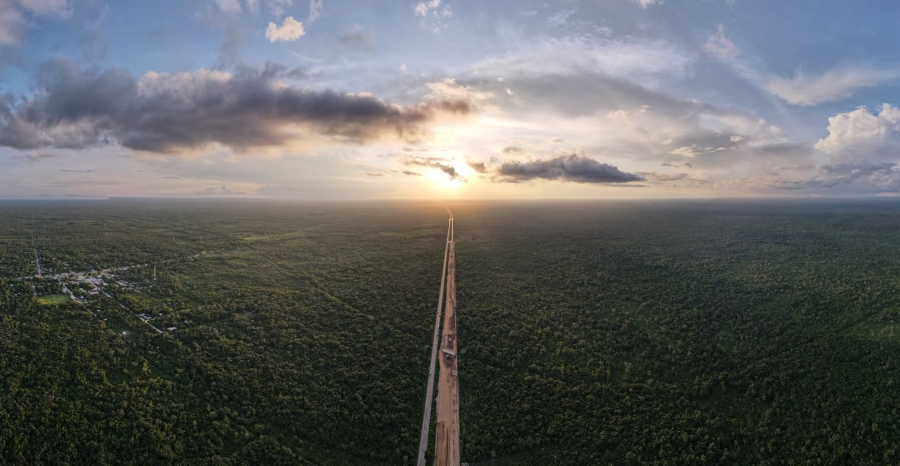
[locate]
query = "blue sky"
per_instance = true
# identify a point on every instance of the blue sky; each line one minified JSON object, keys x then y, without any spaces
{"x":448,"y":99}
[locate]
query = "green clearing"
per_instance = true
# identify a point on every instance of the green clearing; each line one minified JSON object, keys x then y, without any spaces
{"x":55,"y":299}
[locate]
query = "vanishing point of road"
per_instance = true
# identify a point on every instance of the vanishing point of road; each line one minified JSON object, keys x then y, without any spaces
{"x":447,"y":432}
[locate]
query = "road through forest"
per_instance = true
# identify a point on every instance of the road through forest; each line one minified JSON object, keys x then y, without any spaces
{"x":429,"y":393}
{"x":446,"y":439}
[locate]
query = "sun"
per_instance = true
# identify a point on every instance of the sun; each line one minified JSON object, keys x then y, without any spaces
{"x":437,"y":178}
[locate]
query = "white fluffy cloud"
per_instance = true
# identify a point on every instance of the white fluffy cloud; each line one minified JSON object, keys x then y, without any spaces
{"x":720,"y":46}
{"x":422,"y":8}
{"x":290,"y":29}
{"x":833,"y":85}
{"x":860,"y":135}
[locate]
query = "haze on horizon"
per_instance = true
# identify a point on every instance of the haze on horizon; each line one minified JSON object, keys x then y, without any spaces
{"x":329,"y":99}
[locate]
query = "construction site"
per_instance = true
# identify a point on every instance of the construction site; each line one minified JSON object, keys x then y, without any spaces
{"x":446,"y":440}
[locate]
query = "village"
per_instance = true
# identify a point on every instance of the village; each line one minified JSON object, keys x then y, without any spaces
{"x":81,"y":287}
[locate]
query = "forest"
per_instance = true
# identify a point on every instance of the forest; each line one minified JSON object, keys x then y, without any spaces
{"x":250,"y":332}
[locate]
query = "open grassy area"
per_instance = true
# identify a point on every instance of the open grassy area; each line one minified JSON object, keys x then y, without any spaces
{"x":55,"y":299}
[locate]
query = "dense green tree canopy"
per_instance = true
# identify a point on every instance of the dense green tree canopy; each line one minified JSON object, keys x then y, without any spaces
{"x":589,"y":333}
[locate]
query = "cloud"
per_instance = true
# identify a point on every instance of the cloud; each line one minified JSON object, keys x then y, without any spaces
{"x":479,"y":167}
{"x":229,"y":6}
{"x":234,"y":6}
{"x":628,"y":58}
{"x":219,"y":191}
{"x":435,"y":162}
{"x":316,"y":11}
{"x":860,"y":135}
{"x":448,"y":88}
{"x":290,"y":29}
{"x":374,"y":174}
{"x":277,"y":6}
{"x":590,"y":89}
{"x":560,"y":18}
{"x":664,"y":178}
{"x":422,"y":8}
{"x":720,"y":46}
{"x":863,"y":150}
{"x":357,"y":39}
{"x":833,"y":85}
{"x":573,"y":167}
{"x":860,"y":178}
{"x":13,"y":16}
{"x":512,"y":150}
{"x":175,"y":113}
{"x":44,"y":7}
{"x":11,"y":20}
{"x":407,"y":172}
{"x":230,"y":51}
{"x":645,"y":3}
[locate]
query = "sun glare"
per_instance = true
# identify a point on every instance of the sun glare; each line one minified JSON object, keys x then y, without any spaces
{"x":441,"y":180}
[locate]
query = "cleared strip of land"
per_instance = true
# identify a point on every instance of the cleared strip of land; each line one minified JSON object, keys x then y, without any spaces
{"x":446,"y":444}
{"x":429,"y":393}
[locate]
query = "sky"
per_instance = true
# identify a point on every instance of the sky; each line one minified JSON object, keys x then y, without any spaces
{"x":449,"y":99}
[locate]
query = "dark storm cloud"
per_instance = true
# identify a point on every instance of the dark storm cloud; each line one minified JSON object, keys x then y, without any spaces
{"x":571,"y":167}
{"x":76,"y":108}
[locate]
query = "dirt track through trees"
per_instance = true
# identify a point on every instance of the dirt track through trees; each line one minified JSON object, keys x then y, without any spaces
{"x":429,"y":393}
{"x":446,"y":442}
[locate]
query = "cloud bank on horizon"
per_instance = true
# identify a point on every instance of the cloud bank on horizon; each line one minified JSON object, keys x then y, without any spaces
{"x":326,"y":99}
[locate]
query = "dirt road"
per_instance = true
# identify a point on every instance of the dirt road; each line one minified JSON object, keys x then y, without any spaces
{"x":429,"y":393}
{"x":446,"y":444}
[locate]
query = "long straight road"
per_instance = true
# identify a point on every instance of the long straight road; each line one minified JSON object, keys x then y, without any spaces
{"x":37,"y":260}
{"x":446,"y":442}
{"x":429,"y":393}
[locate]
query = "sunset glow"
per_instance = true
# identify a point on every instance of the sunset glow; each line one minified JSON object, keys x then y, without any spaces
{"x":332,"y":100}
